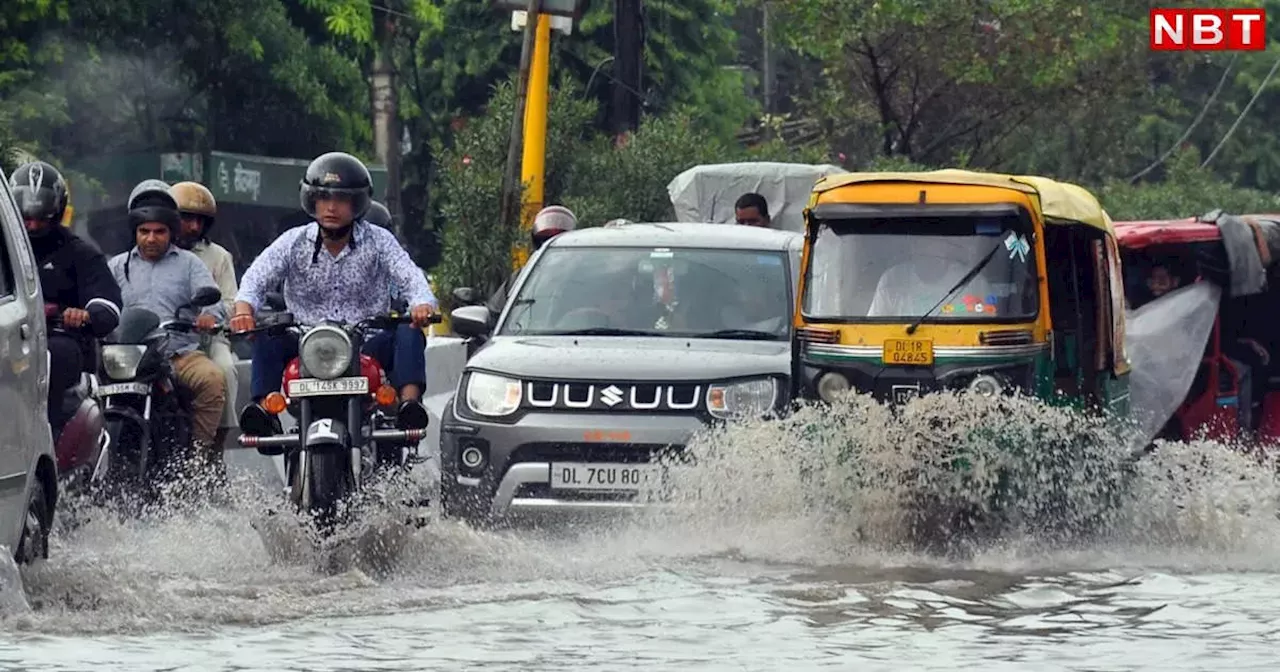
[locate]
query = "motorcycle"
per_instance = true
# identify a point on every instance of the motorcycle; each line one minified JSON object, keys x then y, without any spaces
{"x":81,"y":446}
{"x":148,"y":414}
{"x":345,"y":431}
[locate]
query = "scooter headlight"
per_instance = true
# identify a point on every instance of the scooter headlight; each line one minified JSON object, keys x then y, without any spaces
{"x":120,"y":362}
{"x":325,"y":352}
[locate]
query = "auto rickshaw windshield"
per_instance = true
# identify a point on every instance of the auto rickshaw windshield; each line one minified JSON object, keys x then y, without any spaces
{"x":900,"y":269}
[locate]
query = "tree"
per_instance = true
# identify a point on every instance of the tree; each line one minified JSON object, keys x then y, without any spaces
{"x":951,"y":81}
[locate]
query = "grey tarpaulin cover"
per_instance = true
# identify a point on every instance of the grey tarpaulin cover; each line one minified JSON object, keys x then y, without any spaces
{"x":707,"y":193}
{"x":1248,"y":268}
{"x":1165,"y":340}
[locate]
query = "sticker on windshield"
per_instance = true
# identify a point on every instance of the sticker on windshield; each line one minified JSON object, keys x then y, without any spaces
{"x":1017,"y":246}
{"x":661,"y":253}
{"x":768,"y":260}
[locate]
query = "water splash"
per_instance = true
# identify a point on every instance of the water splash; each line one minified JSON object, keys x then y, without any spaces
{"x":859,"y":472}
{"x":832,"y":487}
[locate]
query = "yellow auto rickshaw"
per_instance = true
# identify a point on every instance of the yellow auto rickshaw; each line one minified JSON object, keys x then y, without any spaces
{"x":915,"y":282}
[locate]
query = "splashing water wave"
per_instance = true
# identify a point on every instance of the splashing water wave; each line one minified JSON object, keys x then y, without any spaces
{"x":827,"y":486}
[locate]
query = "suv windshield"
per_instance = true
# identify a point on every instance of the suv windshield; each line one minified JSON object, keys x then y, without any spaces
{"x":677,"y":292}
{"x":899,"y":269}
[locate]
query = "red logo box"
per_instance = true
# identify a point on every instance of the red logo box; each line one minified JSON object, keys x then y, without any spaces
{"x":1208,"y":29}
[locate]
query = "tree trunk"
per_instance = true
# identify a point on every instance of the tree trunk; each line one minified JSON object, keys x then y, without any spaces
{"x":628,"y":64}
{"x":386,"y":112}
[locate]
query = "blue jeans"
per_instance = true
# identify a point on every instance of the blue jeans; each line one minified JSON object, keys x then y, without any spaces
{"x":401,"y":353}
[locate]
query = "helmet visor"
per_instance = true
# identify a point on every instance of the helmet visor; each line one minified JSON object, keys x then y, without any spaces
{"x":35,"y":203}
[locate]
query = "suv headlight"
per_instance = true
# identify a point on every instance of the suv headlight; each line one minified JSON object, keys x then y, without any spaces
{"x":325,"y":352}
{"x":491,"y":395}
{"x":742,"y":398}
{"x":120,"y":362}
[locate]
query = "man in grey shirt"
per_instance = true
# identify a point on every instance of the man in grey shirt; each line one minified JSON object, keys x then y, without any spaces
{"x":162,"y":277}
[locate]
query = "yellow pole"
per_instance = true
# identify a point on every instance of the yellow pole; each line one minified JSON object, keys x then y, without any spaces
{"x":533,"y":161}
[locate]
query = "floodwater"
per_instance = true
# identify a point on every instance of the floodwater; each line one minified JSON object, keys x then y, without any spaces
{"x":794,"y":557}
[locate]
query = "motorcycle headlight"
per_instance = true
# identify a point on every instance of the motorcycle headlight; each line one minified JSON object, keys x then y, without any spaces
{"x":325,"y":352}
{"x":743,"y":398}
{"x":120,"y":362}
{"x":491,"y":395}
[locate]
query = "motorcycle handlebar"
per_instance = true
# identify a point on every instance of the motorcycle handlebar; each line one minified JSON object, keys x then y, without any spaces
{"x":379,"y":322}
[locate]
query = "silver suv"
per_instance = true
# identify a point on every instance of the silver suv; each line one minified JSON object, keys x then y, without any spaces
{"x":615,"y":346}
{"x":28,"y":471}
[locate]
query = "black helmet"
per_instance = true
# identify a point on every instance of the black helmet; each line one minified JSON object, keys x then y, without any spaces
{"x":152,"y":201}
{"x":378,"y":214}
{"x":40,"y":191}
{"x":341,"y":174}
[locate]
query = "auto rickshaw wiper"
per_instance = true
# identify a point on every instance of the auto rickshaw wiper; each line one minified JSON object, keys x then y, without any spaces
{"x":973,"y":273}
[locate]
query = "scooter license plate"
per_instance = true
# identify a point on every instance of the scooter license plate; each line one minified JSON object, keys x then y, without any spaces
{"x":122,"y":388}
{"x":314,"y":387}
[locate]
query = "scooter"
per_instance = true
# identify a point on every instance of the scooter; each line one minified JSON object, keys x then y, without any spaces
{"x":82,"y":445}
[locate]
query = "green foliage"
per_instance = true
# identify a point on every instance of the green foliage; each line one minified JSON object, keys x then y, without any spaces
{"x":585,"y":171}
{"x":1187,"y":191}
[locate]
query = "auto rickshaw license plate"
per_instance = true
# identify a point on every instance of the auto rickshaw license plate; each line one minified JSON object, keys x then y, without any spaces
{"x":908,"y":352}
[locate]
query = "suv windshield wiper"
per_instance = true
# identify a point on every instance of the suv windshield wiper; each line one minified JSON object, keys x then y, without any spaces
{"x":605,"y":331}
{"x":744,"y":334}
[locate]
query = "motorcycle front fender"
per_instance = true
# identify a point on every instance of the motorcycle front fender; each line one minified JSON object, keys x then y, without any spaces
{"x":326,"y":434}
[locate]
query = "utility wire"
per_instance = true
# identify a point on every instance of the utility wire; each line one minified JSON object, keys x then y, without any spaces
{"x":1195,"y":122}
{"x":1243,"y":112}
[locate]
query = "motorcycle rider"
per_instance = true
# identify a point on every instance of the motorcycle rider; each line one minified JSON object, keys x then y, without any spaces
{"x":550,"y":222}
{"x":162,"y":277}
{"x":73,"y":274}
{"x":337,"y":267}
{"x":197,"y":211}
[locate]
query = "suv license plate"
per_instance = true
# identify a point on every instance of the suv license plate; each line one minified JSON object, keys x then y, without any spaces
{"x":314,"y":387}
{"x":603,"y":476}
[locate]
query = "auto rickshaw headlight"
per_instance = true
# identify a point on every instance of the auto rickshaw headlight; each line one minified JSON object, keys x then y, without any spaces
{"x":831,"y":385}
{"x":986,"y":385}
{"x":745,"y":398}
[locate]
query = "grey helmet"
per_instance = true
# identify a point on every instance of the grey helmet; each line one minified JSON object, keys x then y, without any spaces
{"x":153,"y":201}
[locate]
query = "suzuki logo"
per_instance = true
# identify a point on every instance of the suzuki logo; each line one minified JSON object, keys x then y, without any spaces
{"x":611,"y":395}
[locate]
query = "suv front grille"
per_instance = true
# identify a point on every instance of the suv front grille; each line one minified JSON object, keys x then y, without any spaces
{"x":681,"y":398}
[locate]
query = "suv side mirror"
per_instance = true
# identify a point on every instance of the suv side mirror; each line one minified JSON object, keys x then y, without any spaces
{"x":471,"y":321}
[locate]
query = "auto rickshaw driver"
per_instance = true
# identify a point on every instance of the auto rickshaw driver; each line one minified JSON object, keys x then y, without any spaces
{"x":926,"y":278}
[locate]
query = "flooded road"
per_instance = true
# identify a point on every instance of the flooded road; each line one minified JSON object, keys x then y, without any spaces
{"x":769,"y":573}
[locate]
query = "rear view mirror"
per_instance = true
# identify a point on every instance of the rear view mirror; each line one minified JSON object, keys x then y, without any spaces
{"x":206,"y":296}
{"x":275,"y":301}
{"x":466,"y":296}
{"x":471,"y":321}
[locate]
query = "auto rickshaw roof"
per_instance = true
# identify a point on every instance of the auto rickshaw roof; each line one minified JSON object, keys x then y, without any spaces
{"x":1060,"y":202}
{"x":1137,"y":235}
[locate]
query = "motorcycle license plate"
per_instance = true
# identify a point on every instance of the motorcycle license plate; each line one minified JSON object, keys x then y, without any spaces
{"x":314,"y":387}
{"x":122,"y":388}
